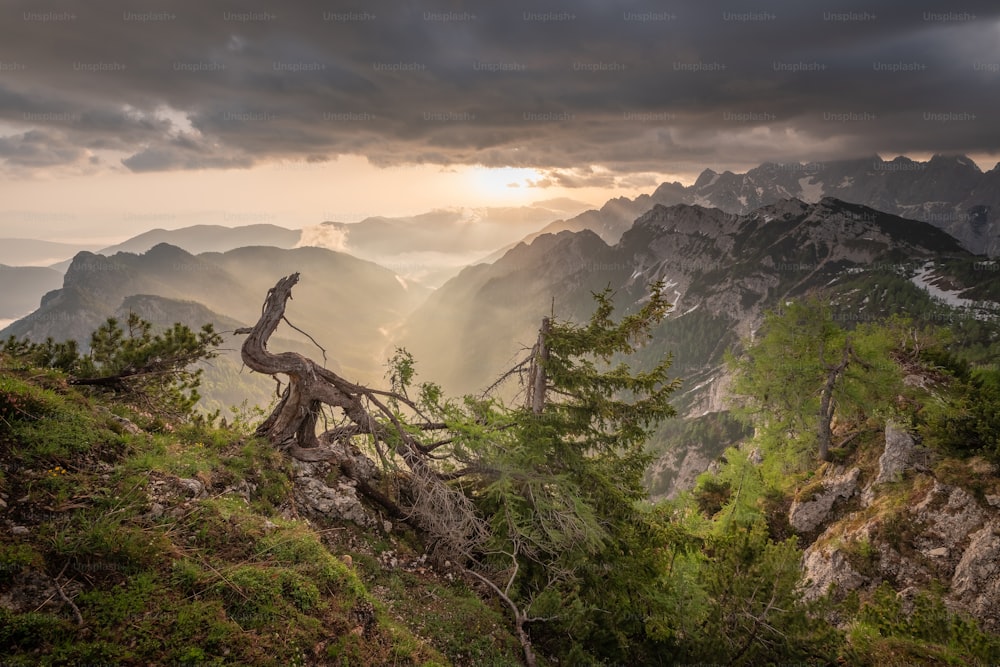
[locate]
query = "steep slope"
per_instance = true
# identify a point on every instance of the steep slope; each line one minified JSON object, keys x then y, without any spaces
{"x":126,"y":543}
{"x":477,"y":323}
{"x":907,"y":517}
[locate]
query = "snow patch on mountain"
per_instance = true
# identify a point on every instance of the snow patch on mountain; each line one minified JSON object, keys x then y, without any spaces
{"x":812,"y":192}
{"x":924,"y":279}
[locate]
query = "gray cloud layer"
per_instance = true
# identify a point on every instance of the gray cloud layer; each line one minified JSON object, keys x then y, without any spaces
{"x":559,"y":85}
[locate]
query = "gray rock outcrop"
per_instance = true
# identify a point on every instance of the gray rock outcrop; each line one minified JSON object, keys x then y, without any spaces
{"x":948,"y":535}
{"x":807,"y":515}
{"x":898,"y":456}
{"x":826,"y":568}
{"x":321,"y":490}
{"x":976,"y":583}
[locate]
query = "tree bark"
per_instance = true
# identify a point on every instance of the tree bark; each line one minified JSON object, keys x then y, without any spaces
{"x":827,"y":404}
{"x":539,"y":379}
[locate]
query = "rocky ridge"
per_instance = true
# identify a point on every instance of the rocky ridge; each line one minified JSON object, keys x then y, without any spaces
{"x":949,"y":192}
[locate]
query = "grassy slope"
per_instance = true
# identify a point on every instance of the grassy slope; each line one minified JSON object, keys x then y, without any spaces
{"x":182,"y":546}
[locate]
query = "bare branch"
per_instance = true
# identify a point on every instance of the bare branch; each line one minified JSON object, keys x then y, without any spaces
{"x":65,"y":598}
{"x":519,"y":619}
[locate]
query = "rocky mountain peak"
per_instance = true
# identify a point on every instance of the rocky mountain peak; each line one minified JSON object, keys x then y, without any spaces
{"x":668,"y":192}
{"x":706,"y":178}
{"x":954,"y":162}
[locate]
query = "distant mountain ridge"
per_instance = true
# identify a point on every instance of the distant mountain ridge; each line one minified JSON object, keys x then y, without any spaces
{"x":949,"y":192}
{"x":354,"y":304}
{"x":197,"y":239}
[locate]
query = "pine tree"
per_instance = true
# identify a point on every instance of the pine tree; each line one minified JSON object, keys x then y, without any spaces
{"x":804,"y":370}
{"x":153,"y":371}
{"x":570,"y":544}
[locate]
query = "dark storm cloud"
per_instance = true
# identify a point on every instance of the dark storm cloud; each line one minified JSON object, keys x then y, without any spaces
{"x":37,"y":148}
{"x":560,"y":86}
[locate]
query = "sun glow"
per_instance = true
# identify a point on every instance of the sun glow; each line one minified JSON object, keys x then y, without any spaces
{"x":503,"y":184}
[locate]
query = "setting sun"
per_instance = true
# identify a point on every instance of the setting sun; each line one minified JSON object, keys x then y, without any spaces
{"x":504,"y":184}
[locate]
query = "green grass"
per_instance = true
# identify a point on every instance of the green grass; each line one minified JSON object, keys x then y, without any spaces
{"x":231,"y":576}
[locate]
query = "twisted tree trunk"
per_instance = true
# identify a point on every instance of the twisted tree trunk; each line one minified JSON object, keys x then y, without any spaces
{"x":435,"y":507}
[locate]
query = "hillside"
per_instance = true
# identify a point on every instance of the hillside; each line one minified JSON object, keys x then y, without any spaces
{"x":903,"y":512}
{"x":128,"y":542}
{"x":357,"y":297}
{"x":130,"y":539}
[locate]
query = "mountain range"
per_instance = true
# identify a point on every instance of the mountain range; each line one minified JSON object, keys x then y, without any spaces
{"x":727,"y":248}
{"x":721,"y":271}
{"x":349,"y":307}
{"x":716,"y":265}
{"x":949,"y":192}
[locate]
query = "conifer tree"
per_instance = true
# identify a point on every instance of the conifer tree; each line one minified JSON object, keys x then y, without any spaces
{"x":153,"y":371}
{"x":569,"y":542}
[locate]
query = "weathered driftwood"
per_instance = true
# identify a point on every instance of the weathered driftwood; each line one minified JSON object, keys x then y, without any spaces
{"x":435,"y":507}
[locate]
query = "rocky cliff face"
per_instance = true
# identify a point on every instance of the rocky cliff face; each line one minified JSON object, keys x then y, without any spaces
{"x":908,"y":520}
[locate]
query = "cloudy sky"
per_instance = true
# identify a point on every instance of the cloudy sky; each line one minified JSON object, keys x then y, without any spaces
{"x":120,"y":116}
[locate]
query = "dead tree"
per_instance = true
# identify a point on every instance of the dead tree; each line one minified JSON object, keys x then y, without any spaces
{"x":536,"y":372}
{"x":434,"y":506}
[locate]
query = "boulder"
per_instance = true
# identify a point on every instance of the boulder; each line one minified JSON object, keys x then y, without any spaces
{"x":898,"y":457}
{"x":807,"y":515}
{"x":322,"y":491}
